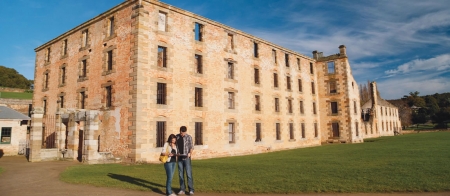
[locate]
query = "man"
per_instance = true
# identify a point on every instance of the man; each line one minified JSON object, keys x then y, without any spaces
{"x":185,"y":150}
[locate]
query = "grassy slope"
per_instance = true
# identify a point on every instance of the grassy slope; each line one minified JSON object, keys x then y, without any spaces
{"x":15,"y":95}
{"x":407,"y":163}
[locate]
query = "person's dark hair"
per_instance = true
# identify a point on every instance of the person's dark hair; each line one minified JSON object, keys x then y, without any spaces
{"x":183,"y":129}
{"x":170,"y":138}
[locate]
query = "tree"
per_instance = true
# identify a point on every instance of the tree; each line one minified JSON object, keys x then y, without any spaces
{"x":442,"y":117}
{"x":9,"y":77}
{"x":420,"y":117}
{"x":414,"y":99}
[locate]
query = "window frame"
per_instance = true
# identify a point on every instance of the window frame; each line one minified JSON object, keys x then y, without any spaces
{"x":3,"y":132}
{"x":161,"y":57}
{"x":231,"y":132}
{"x":230,"y":70}
{"x":198,"y":32}
{"x":331,"y":67}
{"x":258,"y":132}
{"x":161,"y":129}
{"x":198,"y":97}
{"x":161,"y":93}
{"x":199,"y":64}
{"x":231,"y":100}
{"x":198,"y":135}
{"x":334,"y":108}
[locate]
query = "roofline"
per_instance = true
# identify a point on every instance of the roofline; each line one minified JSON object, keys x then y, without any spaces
{"x":174,"y":9}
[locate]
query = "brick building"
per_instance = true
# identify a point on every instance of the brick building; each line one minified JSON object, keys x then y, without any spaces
{"x":121,"y":82}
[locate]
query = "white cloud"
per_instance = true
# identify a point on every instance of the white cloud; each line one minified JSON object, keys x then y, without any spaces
{"x":395,"y":87}
{"x":438,"y":63}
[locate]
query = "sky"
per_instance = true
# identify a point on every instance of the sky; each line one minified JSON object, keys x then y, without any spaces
{"x":403,"y":45}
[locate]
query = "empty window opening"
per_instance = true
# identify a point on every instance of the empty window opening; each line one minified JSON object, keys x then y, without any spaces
{"x":303,"y":130}
{"x":335,"y":129}
{"x":65,"y":47}
{"x":230,"y":70}
{"x":198,"y":32}
{"x":108,"y":96}
{"x":331,"y":68}
{"x":274,"y":56}
{"x":257,"y":103}
{"x":255,"y":50}
{"x":110,"y":60}
{"x":82,"y":100}
{"x":314,"y":108}
{"x":291,"y":131}
{"x":316,"y":131}
{"x":311,"y":68}
{"x":199,"y":63}
{"x":63,"y":75}
{"x":333,"y":88}
{"x":313,"y":89}
{"x":111,"y":26}
{"x":278,"y":131}
{"x":85,"y":38}
{"x":61,"y":101}
{"x":162,"y":56}
{"x":198,"y":133}
{"x":258,"y":132}
{"x":230,"y":41}
{"x":277,"y":105}
{"x":334,"y":107}
{"x":256,"y":76}
{"x":290,"y":106}
{"x":198,"y":97}
{"x":302,"y":110}
{"x":288,"y":82}
{"x":275,"y":80}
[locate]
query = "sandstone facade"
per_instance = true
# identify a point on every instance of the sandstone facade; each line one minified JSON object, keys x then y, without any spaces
{"x":126,"y":79}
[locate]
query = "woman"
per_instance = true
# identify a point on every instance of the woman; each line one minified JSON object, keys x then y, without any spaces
{"x":170,"y":149}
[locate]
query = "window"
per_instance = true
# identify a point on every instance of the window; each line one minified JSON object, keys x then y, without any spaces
{"x":331,"y":69}
{"x":277,"y":105}
{"x":108,"y":96}
{"x":274,"y":56}
{"x":258,"y":132}
{"x":290,"y":106}
{"x":288,"y":82}
{"x":231,"y":133}
{"x":256,"y":76}
{"x":286,"y":59}
{"x":298,"y":64}
{"x":161,"y":93}
{"x":162,"y":21}
{"x":111,"y":26}
{"x":355,"y":108}
{"x":314,"y":108}
{"x":275,"y":80}
{"x":230,"y":72}
{"x":255,"y":50}
{"x":46,"y":80}
{"x":199,"y":63}
{"x":278,"y":131}
{"x":44,"y":105}
{"x":300,"y":85}
{"x":313,"y":89}
{"x":61,"y":101}
{"x":333,"y":88}
{"x":162,"y":56}
{"x":302,"y":110}
{"x":291,"y":131}
{"x":160,"y":133}
{"x":198,"y":97}
{"x":64,"y":47}
{"x":357,"y":128}
{"x":334,"y":107}
{"x":47,"y":55}
{"x":303,"y":130}
{"x":110,"y":61}
{"x":257,"y":103}
{"x":84,"y":68}
{"x":198,"y":133}
{"x":85,"y":40}
{"x":82,"y":100}
{"x":5,"y":136}
{"x":381,"y":111}
{"x":63,"y":75}
{"x":335,"y":128}
{"x":198,"y":32}
{"x":230,"y":41}
{"x":316,"y":131}
{"x":230,"y":100}
{"x":311,"y":68}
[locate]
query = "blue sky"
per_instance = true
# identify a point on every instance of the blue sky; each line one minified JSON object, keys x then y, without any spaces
{"x":402,"y":45}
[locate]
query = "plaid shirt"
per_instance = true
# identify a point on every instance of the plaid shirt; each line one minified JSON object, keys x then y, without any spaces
{"x":188,"y":144}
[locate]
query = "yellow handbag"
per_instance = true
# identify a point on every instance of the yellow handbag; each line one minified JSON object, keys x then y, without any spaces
{"x":163,"y":158}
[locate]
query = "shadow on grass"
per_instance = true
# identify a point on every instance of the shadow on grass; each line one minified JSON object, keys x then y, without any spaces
{"x":138,"y":182}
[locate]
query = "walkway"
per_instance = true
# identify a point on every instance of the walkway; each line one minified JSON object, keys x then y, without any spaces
{"x":24,"y":178}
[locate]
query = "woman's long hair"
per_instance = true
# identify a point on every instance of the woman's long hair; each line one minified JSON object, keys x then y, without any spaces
{"x":171,"y":136}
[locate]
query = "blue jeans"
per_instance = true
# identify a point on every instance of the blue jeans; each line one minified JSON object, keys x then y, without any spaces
{"x":185,"y":164}
{"x":170,"y":169}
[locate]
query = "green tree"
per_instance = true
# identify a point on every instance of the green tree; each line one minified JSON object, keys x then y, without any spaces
{"x":414,"y":99}
{"x":9,"y":77}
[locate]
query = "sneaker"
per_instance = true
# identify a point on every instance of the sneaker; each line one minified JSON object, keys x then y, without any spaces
{"x":173,"y":194}
{"x":191,"y":192}
{"x":181,"y":193}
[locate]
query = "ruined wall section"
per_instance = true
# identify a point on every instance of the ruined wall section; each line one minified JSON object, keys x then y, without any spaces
{"x":181,"y":80}
{"x":113,"y":131}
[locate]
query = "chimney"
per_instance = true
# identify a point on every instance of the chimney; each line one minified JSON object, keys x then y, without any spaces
{"x":342,"y":50}
{"x":373,"y":94}
{"x":315,"y":54}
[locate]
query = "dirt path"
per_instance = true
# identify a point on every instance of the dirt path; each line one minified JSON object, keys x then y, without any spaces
{"x":24,"y":178}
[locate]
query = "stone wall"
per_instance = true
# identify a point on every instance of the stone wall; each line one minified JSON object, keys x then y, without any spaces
{"x":20,"y":105}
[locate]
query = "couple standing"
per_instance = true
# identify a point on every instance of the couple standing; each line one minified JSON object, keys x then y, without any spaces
{"x":179,"y":147}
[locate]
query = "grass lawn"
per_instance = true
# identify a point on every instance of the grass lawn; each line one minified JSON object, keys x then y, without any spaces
{"x":406,"y":163}
{"x":15,"y":95}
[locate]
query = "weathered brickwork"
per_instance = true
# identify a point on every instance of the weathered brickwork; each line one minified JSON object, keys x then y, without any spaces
{"x":128,"y":127}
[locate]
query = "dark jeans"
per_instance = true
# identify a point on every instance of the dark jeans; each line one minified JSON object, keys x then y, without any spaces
{"x":185,"y":164}
{"x":170,"y":169}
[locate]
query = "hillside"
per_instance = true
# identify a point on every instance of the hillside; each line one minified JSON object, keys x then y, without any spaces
{"x":9,"y":77}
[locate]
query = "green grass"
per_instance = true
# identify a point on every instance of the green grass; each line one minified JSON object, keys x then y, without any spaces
{"x":406,"y":163}
{"x":15,"y":95}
